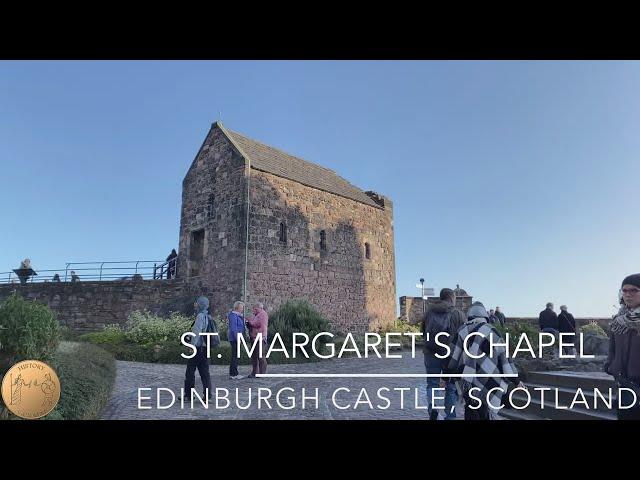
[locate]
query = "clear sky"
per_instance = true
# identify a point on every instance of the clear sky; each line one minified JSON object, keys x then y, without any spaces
{"x":516,"y":180}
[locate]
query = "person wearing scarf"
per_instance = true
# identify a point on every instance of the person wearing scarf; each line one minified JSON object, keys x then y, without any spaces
{"x":494,"y":362}
{"x":623,"y":361}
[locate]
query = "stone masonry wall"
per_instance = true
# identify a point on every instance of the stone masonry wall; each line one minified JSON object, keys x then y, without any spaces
{"x":89,"y":306}
{"x":213,"y":199}
{"x":411,"y":307}
{"x":353,"y":292}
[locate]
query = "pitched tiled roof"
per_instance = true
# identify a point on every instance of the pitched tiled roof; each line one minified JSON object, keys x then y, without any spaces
{"x":274,"y":161}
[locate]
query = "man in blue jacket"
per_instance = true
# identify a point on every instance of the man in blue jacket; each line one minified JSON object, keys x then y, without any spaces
{"x":236,"y":327}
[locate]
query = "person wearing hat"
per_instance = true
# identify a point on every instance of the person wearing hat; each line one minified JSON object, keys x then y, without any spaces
{"x":485,"y":375}
{"x":200,"y":359}
{"x":623,"y":361}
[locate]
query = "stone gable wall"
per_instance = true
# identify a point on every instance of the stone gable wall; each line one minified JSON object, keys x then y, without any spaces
{"x":353,"y":292}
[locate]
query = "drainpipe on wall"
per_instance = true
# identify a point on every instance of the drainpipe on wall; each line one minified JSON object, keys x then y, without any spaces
{"x":246,"y":246}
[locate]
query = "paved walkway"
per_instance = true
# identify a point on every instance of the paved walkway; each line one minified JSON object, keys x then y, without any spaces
{"x":401,"y":404}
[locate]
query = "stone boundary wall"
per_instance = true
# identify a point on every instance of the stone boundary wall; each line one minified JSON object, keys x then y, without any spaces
{"x":89,"y":306}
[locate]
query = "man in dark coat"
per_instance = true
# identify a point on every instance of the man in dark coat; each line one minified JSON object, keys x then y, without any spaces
{"x":501,"y":318}
{"x":548,"y":320}
{"x":442,"y":316}
{"x":171,"y":264}
{"x":566,"y":322}
{"x":623,"y":361}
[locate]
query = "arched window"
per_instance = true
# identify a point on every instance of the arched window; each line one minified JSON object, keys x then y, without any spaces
{"x":323,"y":240}
{"x":367,"y":251}
{"x":283,"y":232}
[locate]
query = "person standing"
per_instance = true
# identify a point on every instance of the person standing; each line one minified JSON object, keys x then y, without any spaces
{"x":567,"y":324}
{"x":501,"y":318}
{"x":484,"y":374}
{"x":236,"y":328}
{"x":623,"y":361}
{"x":200,"y":359}
{"x":258,"y":324}
{"x":548,"y":320}
{"x":442,"y":316}
{"x":171,"y":264}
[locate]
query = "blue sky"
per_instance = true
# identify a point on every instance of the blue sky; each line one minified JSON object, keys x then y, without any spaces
{"x":515,"y":180}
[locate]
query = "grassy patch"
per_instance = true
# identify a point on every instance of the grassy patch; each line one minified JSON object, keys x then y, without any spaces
{"x":87,"y":374}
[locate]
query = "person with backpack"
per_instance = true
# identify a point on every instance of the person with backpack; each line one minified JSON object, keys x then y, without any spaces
{"x":236,"y":328}
{"x":493,"y":362}
{"x":203,"y":324}
{"x":442,"y":316}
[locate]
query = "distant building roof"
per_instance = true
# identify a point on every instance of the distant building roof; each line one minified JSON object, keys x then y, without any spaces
{"x":460,"y":292}
{"x":274,"y":161}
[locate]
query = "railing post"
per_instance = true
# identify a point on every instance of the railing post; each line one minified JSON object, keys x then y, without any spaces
{"x":154,"y":271}
{"x":101,"y":265}
{"x":65,"y":272}
{"x":137,"y":266}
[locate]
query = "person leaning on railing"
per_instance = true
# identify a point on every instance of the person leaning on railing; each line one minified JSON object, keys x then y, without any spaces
{"x":171,"y":264}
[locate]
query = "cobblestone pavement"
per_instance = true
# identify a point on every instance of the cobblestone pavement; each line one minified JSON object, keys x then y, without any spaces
{"x":400,"y":404}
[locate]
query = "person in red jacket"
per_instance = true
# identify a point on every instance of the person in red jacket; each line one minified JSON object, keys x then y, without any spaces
{"x":258,"y":324}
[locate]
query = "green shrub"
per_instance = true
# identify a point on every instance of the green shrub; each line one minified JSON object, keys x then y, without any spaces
{"x":296,"y":316}
{"x":150,"y":338}
{"x":144,"y":328}
{"x":402,"y":327}
{"x":28,"y":330}
{"x":112,"y":334}
{"x":87,"y":374}
{"x":69,"y":335}
{"x":223,"y":326}
{"x":515,"y":330}
{"x":592,"y":328}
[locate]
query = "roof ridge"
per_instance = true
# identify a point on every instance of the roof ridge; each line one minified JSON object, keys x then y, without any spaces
{"x":262,"y":156}
{"x":281,"y":151}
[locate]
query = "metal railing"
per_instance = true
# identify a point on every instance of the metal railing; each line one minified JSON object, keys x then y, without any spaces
{"x":99,"y":271}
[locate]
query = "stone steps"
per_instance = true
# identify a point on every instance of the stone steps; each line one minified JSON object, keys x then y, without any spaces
{"x":549,"y":412}
{"x":566,"y":383}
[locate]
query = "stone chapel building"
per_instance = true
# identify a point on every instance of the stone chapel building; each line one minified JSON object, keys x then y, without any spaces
{"x":258,"y":224}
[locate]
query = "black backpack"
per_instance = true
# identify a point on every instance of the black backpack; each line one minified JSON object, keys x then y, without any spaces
{"x":212,"y":327}
{"x":435,"y":323}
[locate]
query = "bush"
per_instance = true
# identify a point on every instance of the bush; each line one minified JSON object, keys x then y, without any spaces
{"x":67,"y":334}
{"x":515,"y":330}
{"x":150,"y":338}
{"x":112,"y":334}
{"x":592,"y":328}
{"x":296,"y":316}
{"x":402,"y":327}
{"x":28,"y":330}
{"x":145,"y":328}
{"x":87,"y":375}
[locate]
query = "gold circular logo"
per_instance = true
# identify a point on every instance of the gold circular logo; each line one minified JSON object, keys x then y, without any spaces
{"x":30,"y":389}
